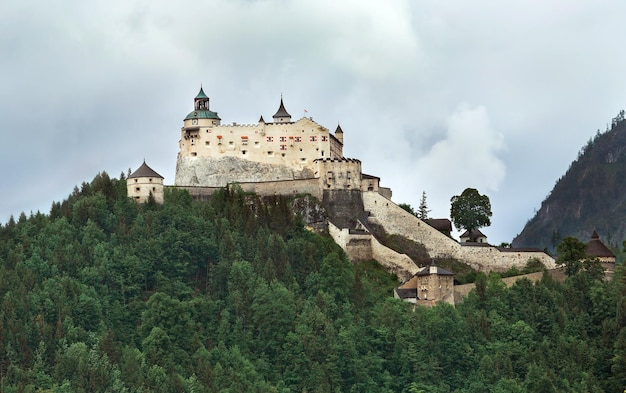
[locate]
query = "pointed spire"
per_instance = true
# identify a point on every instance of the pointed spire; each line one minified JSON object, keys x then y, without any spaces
{"x":281,"y":115}
{"x":338,"y":130}
{"x":201,"y":94}
{"x":261,"y":119}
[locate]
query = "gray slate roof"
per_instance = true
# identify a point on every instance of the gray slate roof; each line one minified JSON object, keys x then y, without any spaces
{"x":281,"y":112}
{"x":595,"y":247}
{"x":144,"y":171}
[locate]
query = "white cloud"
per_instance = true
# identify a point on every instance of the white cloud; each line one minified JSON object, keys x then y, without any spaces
{"x":469,"y":156}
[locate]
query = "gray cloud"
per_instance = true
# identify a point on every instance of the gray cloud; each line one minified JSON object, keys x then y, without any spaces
{"x":433,"y":96}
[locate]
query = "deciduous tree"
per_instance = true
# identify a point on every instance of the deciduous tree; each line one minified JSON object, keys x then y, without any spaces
{"x":470,"y":210}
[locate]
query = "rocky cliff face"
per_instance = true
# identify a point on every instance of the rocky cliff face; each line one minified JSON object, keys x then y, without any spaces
{"x":590,"y":196}
{"x":218,"y":172}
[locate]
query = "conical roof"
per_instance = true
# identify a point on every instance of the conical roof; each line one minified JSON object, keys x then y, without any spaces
{"x":595,"y":247}
{"x":338,"y":130}
{"x":281,"y":112}
{"x":144,"y":171}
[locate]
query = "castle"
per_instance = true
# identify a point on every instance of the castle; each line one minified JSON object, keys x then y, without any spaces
{"x":282,"y":156}
{"x":285,"y":157}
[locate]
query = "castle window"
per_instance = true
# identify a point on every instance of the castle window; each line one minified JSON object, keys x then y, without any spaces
{"x":137,"y":189}
{"x":194,"y":154}
{"x":244,"y":152}
{"x":153,"y":188}
{"x":256,"y":144}
{"x":324,"y":138}
{"x":269,"y":138}
{"x":322,"y":153}
{"x":298,"y":139}
{"x":135,"y":180}
{"x":312,"y":138}
{"x":283,"y":139}
{"x":270,"y":153}
{"x":282,"y":154}
{"x":303,"y":159}
{"x":150,"y":180}
{"x":283,"y":147}
{"x":207,"y":143}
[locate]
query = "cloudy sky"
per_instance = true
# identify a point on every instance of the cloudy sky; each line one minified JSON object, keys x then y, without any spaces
{"x":432,"y":95}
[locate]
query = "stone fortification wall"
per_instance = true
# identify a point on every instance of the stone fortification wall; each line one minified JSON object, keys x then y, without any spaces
{"x":344,"y":207}
{"x":218,"y":172}
{"x":291,"y":187}
{"x":558,"y":274}
{"x":396,"y":220}
{"x":339,"y":173}
{"x":362,"y":247}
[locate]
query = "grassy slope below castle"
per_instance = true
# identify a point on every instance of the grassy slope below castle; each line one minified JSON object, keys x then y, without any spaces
{"x":103,"y":294}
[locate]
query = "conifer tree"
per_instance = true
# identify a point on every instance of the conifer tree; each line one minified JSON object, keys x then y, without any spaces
{"x":423,"y":210}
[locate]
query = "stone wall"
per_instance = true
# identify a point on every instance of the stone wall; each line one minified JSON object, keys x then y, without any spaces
{"x":363,"y":246}
{"x":140,"y":189}
{"x":291,"y":187}
{"x":218,"y":172}
{"x":344,"y":207}
{"x":292,"y":144}
{"x":396,"y":220}
{"x":340,"y":173}
{"x":558,"y":274}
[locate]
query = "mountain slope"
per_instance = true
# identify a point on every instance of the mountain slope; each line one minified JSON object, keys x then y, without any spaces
{"x":590,"y":196}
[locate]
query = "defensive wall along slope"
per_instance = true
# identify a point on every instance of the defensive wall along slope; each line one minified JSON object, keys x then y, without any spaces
{"x":362,"y":246}
{"x":396,"y":220}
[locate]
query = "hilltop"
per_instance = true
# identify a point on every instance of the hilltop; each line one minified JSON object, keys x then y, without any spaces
{"x":590,"y":196}
{"x":234,"y":294}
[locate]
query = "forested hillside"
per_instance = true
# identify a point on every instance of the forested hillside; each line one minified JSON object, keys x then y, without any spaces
{"x":234,"y":295}
{"x":590,"y":196}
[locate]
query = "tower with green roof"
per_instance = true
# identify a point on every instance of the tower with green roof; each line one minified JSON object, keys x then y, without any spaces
{"x":201,"y":114}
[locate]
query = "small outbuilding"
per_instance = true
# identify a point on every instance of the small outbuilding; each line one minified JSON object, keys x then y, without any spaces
{"x":429,"y":286}
{"x":473,"y":236}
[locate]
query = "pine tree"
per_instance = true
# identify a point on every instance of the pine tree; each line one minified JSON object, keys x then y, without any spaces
{"x":423,"y":210}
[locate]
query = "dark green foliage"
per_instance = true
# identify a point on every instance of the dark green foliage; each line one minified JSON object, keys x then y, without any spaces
{"x":105,"y":295}
{"x":470,"y":210}
{"x":589,"y":196}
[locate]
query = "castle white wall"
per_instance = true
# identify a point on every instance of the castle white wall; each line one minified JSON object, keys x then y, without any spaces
{"x":293,"y":144}
{"x":140,"y":188}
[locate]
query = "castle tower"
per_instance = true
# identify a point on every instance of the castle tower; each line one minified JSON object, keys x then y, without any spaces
{"x":339,"y":134}
{"x":145,"y":182}
{"x":201,"y":114}
{"x":281,"y":115}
